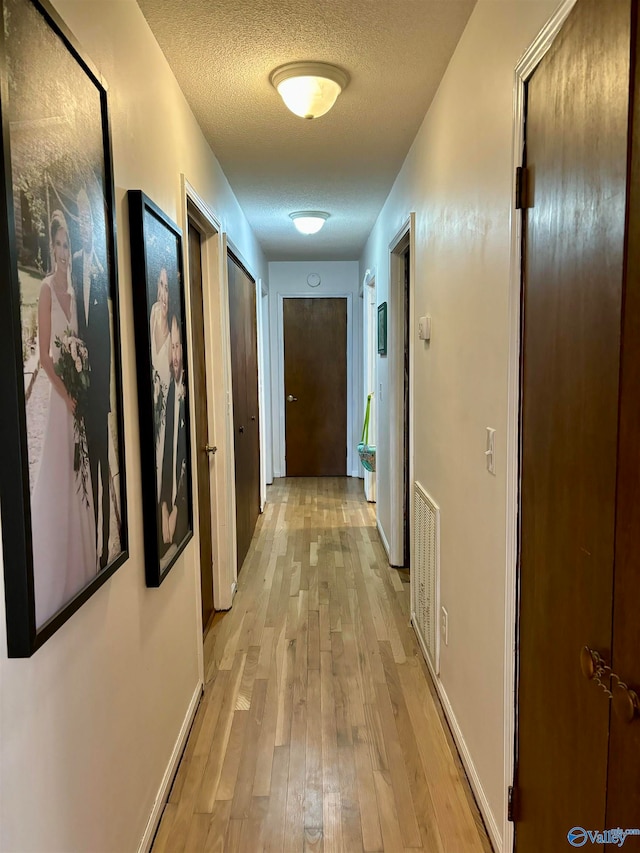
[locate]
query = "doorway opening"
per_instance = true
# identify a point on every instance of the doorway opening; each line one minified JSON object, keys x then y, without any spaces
{"x":204,"y":450}
{"x":400,"y":349}
{"x":209,"y":312}
{"x":406,"y":378}
{"x":369,"y":325}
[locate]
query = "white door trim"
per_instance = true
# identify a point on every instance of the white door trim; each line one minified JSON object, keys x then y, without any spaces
{"x":524,"y":70}
{"x":219,"y":414}
{"x":370,"y":351}
{"x":405,"y":238}
{"x":352,"y":456}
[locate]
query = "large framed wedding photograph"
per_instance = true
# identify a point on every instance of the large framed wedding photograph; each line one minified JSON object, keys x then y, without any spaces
{"x":62,"y":479}
{"x":161,"y":352}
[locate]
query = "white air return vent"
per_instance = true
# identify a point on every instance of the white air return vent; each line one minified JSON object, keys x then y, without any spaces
{"x":425,"y":575}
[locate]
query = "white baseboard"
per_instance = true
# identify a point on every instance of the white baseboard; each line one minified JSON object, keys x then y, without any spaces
{"x":385,"y":541}
{"x":169,"y":773}
{"x":422,"y":644}
{"x":469,"y":766}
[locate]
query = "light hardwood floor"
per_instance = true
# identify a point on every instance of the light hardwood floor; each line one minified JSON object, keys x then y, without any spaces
{"x":318,"y":729}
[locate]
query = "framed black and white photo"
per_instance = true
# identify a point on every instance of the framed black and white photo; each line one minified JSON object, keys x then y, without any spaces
{"x":161,"y":350}
{"x":62,"y":477}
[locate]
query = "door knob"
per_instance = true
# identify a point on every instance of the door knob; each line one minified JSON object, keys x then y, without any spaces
{"x":210,"y":448}
{"x":590,"y":662}
{"x":291,"y":398}
{"x":241,"y":429}
{"x":625,"y":702}
{"x":594,"y":668}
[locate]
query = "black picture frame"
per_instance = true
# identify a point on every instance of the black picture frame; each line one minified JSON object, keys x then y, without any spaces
{"x":159,"y":300}
{"x":58,"y":236}
{"x":382,"y":328}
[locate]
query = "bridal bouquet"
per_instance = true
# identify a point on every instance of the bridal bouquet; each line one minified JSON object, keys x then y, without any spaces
{"x":73,"y":368}
{"x":159,"y":403}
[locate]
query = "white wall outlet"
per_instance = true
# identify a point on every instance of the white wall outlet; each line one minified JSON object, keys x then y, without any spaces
{"x":490,"y":452}
{"x":444,"y":625}
{"x":424,"y":328}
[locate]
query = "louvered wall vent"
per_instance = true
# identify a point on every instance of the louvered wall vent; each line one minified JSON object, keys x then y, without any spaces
{"x":425,"y":575}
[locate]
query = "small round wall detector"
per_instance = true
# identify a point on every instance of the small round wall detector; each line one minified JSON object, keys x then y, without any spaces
{"x":313,"y":279}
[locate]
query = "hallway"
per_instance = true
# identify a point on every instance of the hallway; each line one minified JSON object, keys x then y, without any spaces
{"x":318,"y":728}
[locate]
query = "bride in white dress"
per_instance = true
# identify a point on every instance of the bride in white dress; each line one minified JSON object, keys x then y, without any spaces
{"x":63,"y":522}
{"x":160,"y":365}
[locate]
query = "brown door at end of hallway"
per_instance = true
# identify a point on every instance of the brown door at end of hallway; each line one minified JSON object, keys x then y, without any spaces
{"x":244,"y":378}
{"x":201,"y":423}
{"x":315,"y":386}
{"x":570,"y":745}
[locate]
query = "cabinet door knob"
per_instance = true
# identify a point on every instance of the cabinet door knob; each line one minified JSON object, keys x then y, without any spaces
{"x":291,"y":398}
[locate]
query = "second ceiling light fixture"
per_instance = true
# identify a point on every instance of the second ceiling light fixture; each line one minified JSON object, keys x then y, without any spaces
{"x":309,"y":221}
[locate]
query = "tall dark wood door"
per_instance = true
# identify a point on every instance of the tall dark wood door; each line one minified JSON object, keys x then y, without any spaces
{"x":315,"y":386}
{"x":244,"y":378}
{"x":203,"y":458}
{"x":407,"y":419}
{"x":623,"y":795}
{"x":573,"y":286}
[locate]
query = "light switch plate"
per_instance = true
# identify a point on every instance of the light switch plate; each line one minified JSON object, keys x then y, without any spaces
{"x":424,"y":328}
{"x":490,"y":452}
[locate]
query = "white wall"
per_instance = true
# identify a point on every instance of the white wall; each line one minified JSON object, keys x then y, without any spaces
{"x":289,"y":278}
{"x":89,"y":722}
{"x":458,"y":179}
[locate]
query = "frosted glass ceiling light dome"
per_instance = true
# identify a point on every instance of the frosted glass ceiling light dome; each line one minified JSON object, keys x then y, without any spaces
{"x":309,"y":89}
{"x":309,"y":221}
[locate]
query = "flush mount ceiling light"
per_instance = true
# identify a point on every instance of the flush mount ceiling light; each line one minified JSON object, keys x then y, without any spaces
{"x":309,"y":221}
{"x":309,"y":89}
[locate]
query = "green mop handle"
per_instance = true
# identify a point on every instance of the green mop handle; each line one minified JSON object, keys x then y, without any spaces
{"x":365,"y":426}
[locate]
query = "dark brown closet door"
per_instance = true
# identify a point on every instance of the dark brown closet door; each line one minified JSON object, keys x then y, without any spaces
{"x":574,"y":236}
{"x":244,"y":378}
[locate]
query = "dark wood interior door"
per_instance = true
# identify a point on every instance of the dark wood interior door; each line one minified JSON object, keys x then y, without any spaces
{"x":407,"y":388}
{"x":201,"y":423}
{"x":315,"y":386}
{"x":573,"y":261}
{"x":244,"y":378}
{"x":623,"y":790}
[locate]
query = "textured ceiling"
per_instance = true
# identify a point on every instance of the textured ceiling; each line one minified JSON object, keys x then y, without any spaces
{"x":395,"y":51}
